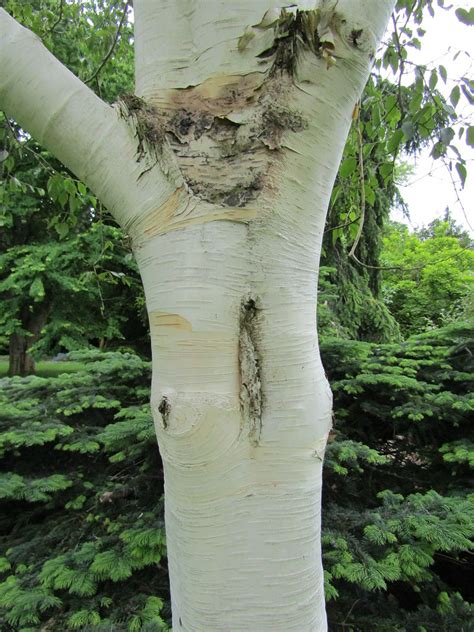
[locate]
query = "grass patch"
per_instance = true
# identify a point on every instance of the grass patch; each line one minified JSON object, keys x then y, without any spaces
{"x":46,"y":368}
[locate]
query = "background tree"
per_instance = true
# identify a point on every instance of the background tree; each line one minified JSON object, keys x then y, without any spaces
{"x":65,"y":274}
{"x":66,"y":268}
{"x":395,"y":120}
{"x":428,"y":280}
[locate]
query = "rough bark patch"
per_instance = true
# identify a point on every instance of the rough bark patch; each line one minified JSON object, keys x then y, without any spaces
{"x":298,"y":30}
{"x":148,"y":131}
{"x":249,"y":364}
{"x":164,"y":409}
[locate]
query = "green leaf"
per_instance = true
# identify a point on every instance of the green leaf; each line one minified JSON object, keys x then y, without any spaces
{"x":465,"y":16}
{"x":438,"y":150}
{"x":4,"y":564}
{"x":417,"y":98}
{"x":82,"y":188}
{"x":394,"y":142}
{"x":55,"y":186}
{"x":347,"y":167}
{"x":62,"y":229}
{"x":408,"y":129}
{"x":455,"y":95}
{"x":386,"y":170}
{"x":446,"y":135}
{"x":63,"y":198}
{"x":369,"y":195}
{"x":69,"y":186}
{"x":462,"y":172}
{"x":443,"y":73}
{"x":470,"y":136}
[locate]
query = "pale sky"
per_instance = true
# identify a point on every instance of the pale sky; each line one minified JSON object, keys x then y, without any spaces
{"x":430,"y":189}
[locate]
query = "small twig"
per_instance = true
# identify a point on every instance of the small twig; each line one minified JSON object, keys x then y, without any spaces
{"x":350,"y":611}
{"x":101,"y":298}
{"x":41,"y":160}
{"x":112,"y":48}
{"x":399,"y":268}
{"x":362,"y":188}
{"x":453,"y":560}
{"x":457,"y":194}
{"x":344,"y":225}
{"x":417,"y":269}
{"x":398,"y":46}
{"x":60,"y":17}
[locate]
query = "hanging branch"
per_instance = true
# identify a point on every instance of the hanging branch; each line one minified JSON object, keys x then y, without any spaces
{"x":112,"y":48}
{"x":362,"y":186}
{"x":60,"y":17}
{"x":416,"y":269}
{"x":457,"y":193}
{"x":344,"y":225}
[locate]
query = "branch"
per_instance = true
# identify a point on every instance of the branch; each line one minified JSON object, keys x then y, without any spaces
{"x":112,"y":48}
{"x":65,"y":116}
{"x":60,"y":17}
{"x":362,"y":187}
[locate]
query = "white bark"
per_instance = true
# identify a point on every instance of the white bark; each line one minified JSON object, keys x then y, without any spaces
{"x":229,"y":255}
{"x":85,"y":133}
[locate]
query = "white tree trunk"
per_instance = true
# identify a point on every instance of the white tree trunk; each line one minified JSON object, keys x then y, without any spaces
{"x":225,"y":204}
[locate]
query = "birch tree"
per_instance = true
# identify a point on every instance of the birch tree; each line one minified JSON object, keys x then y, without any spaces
{"x":219,"y":168}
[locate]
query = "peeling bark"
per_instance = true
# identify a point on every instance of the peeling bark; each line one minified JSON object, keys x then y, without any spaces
{"x":222,"y":143}
{"x":249,"y":365}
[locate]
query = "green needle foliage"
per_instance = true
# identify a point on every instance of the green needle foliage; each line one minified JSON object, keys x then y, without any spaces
{"x":399,"y":518}
{"x":83,"y":543}
{"x":81,"y":487}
